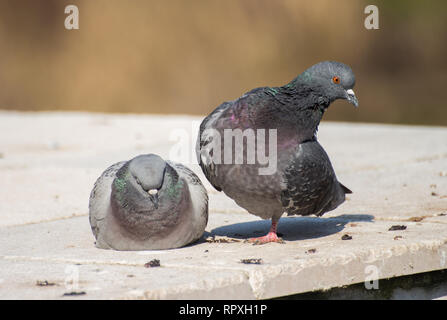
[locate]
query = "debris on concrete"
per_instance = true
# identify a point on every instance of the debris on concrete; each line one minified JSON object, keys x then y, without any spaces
{"x":417,"y":219}
{"x":252,"y":261}
{"x":397,"y":227}
{"x":221,"y":239}
{"x":152,"y":264}
{"x":75,"y":293}
{"x":44,"y":283}
{"x":346,"y":237}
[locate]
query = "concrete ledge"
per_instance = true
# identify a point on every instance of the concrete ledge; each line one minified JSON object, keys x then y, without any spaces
{"x":49,"y":162}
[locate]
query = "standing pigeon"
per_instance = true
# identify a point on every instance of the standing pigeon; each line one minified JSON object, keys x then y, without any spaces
{"x":147,"y":203}
{"x":304,"y":181}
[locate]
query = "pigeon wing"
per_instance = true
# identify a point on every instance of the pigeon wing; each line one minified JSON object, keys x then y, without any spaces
{"x":311,"y":184}
{"x":204,"y":141}
{"x":100,"y":196}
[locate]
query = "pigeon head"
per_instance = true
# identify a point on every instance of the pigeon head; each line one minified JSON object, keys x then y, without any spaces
{"x":148,"y":172}
{"x":145,"y":183}
{"x":334,"y":79}
{"x":145,"y":191}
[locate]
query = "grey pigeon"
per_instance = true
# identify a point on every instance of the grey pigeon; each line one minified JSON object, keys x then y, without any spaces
{"x":147,"y":203}
{"x":303,"y":182}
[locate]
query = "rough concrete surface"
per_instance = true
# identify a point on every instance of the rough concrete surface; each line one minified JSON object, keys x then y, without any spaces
{"x":49,"y":162}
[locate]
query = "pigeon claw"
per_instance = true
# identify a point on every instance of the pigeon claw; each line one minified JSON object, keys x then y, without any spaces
{"x":269,"y":237}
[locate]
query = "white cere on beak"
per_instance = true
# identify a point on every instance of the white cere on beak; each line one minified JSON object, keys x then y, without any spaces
{"x":350,"y":92}
{"x":153,"y":191}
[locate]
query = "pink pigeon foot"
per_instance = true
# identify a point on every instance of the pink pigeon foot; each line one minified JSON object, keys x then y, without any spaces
{"x":269,"y":237}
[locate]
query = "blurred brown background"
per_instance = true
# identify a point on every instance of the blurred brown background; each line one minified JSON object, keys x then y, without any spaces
{"x":188,"y":56}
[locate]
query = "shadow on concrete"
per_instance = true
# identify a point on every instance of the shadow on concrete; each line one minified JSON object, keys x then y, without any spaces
{"x":292,"y":228}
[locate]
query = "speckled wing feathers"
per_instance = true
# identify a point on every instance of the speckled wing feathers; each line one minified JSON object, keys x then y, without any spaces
{"x":311,"y":184}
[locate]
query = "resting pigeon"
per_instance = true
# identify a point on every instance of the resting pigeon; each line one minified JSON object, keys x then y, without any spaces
{"x":147,"y":203}
{"x":302,"y":181}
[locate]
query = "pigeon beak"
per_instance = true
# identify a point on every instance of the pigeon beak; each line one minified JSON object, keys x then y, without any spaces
{"x":153,"y":195}
{"x":350,"y":96}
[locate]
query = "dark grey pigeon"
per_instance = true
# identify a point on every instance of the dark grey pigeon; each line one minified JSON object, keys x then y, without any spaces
{"x":147,"y":203}
{"x":302,"y":181}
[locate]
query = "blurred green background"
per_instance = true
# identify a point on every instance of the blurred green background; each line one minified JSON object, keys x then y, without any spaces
{"x":188,"y":56}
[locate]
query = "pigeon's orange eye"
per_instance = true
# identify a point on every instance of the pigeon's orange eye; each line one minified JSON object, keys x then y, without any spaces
{"x":336,"y":80}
